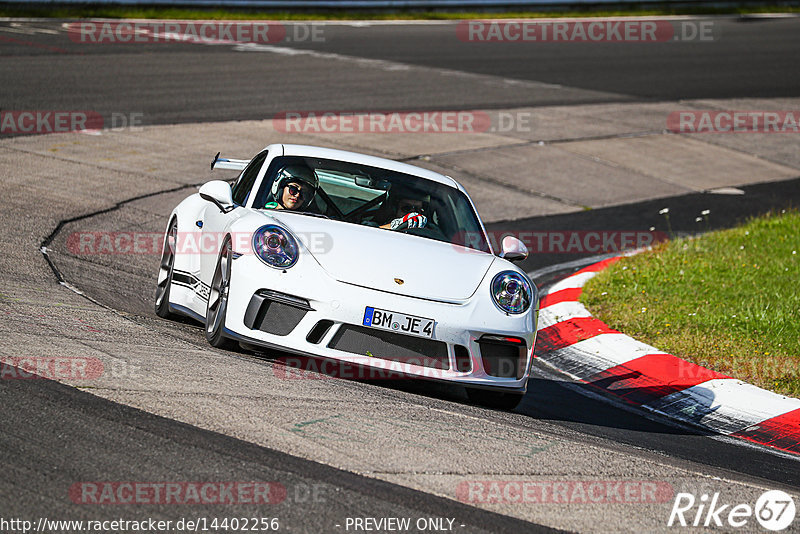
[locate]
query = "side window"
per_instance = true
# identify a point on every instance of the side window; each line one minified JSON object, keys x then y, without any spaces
{"x":242,"y":187}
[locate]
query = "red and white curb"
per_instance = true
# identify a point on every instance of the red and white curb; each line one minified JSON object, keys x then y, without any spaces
{"x":586,"y":349}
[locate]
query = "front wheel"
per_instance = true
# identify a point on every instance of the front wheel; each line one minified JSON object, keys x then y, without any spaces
{"x":165,"y":272}
{"x":494,"y":399}
{"x":218,"y":299}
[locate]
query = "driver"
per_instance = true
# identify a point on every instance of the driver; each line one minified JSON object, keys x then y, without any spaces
{"x":408,"y":210}
{"x":294,"y":188}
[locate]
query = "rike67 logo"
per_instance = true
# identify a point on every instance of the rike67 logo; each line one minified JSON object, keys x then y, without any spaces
{"x":774,"y":510}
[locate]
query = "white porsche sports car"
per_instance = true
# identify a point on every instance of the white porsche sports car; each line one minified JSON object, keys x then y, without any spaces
{"x":337,"y":255}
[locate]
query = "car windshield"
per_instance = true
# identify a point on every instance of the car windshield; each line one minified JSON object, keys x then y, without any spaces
{"x":372,"y":196}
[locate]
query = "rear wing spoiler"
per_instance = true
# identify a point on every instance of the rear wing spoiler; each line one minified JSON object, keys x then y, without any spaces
{"x":229,"y":163}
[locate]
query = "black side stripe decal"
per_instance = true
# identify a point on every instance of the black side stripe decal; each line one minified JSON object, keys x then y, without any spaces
{"x":190,"y":281}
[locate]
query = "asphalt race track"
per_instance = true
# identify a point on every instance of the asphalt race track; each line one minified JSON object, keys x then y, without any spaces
{"x":169,"y":409}
{"x":176,"y":83}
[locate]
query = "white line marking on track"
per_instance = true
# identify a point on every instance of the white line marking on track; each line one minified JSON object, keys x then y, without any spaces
{"x":16,"y":27}
{"x":388,"y":65}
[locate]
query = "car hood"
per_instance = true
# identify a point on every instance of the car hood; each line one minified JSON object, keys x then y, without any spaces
{"x":390,"y":261}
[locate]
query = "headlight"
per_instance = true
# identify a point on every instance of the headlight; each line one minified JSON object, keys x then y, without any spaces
{"x":511,"y":292}
{"x":275,"y":246}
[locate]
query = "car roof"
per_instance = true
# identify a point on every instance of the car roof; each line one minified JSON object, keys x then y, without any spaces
{"x":373,"y":161}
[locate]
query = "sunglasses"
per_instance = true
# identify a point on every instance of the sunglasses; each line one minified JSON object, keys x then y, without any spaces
{"x":296,"y":191}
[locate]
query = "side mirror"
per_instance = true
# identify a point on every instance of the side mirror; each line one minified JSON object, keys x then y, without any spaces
{"x":513,"y":249}
{"x":219,"y":193}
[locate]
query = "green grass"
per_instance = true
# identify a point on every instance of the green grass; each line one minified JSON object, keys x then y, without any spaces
{"x":727,"y":300}
{"x":88,"y":11}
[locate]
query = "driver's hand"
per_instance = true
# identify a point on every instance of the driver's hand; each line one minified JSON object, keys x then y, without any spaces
{"x":414,"y":220}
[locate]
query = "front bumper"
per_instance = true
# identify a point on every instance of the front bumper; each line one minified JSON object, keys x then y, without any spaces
{"x":304,"y":311}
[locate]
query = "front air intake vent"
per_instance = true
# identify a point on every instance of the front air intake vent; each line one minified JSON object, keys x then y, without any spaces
{"x":463,"y":359}
{"x":318,"y":332}
{"x":502,"y":356}
{"x":275,"y":313}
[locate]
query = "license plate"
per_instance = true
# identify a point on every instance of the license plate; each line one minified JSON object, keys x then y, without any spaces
{"x":398,"y":322}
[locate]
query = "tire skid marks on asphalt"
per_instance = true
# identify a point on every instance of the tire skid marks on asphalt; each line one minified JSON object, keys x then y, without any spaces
{"x":651,"y":376}
{"x":588,"y":359}
{"x":587,"y":350}
{"x":779,"y":432}
{"x":725,"y":405}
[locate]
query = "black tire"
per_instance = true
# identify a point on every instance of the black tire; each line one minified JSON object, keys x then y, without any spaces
{"x":217,"y":306}
{"x":165,"y":271}
{"x":494,"y":399}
